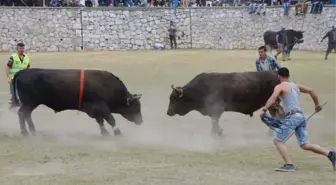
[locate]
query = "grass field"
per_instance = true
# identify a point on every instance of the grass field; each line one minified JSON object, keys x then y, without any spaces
{"x":164,"y":150}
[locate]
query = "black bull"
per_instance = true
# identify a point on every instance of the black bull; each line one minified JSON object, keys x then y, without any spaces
{"x":211,"y":94}
{"x":59,"y":89}
{"x":292,"y":37}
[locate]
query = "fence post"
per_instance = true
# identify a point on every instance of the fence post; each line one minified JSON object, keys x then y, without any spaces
{"x":190,"y":25}
{"x":81,"y":22}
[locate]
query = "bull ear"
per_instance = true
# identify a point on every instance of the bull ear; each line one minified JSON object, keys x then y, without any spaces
{"x":302,"y":31}
{"x":178,"y":90}
{"x":129,"y":101}
{"x":132,"y":98}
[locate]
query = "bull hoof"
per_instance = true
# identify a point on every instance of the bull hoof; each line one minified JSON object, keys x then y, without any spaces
{"x":117,"y":132}
{"x":217,"y":134}
{"x":105,"y":134}
{"x":25,"y":134}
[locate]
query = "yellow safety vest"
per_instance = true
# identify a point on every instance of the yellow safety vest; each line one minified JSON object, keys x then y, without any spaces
{"x":18,"y":65}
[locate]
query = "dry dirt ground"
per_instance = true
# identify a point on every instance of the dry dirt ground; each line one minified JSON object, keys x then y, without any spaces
{"x":165,"y":150}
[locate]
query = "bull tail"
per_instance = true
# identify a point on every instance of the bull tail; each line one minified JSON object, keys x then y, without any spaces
{"x":15,"y":101}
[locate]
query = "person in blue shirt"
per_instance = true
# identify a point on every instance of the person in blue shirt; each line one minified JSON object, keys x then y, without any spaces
{"x":265,"y":62}
{"x":269,"y":63}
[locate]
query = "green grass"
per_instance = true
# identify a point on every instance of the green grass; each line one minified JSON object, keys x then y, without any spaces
{"x":164,"y":150}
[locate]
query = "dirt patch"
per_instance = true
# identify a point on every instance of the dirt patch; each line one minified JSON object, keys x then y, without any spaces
{"x":164,"y":150}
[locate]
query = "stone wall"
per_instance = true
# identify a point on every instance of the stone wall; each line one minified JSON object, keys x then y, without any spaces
{"x":74,"y":29}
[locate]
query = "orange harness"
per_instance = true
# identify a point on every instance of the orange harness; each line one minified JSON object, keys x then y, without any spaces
{"x":81,"y":88}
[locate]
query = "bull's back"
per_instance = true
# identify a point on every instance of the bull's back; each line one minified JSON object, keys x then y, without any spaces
{"x":241,"y":91}
{"x":252,"y":90}
{"x":269,"y":38}
{"x":60,"y":88}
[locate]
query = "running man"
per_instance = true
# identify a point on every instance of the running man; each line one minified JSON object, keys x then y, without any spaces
{"x":295,"y":121}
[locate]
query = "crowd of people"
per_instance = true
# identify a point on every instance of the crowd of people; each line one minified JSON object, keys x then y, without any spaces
{"x":301,"y":6}
{"x":253,"y":6}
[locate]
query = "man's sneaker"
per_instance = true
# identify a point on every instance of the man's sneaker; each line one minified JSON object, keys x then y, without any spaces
{"x":286,"y":168}
{"x":332,"y":158}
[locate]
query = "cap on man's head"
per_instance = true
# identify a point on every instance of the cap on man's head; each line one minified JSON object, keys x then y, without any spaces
{"x":284,"y":72}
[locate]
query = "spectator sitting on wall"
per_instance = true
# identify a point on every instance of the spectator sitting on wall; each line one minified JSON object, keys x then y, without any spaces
{"x":57,"y":3}
{"x":316,"y":7}
{"x":128,"y":3}
{"x":252,"y":6}
{"x":88,"y":3}
{"x":80,"y":3}
{"x":303,"y":5}
{"x":286,"y":4}
{"x":143,"y":3}
{"x":261,"y":7}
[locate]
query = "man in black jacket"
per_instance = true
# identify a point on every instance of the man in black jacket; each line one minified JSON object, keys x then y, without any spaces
{"x":331,"y":41}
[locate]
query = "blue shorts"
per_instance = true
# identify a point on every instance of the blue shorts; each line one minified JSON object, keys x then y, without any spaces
{"x":294,"y":123}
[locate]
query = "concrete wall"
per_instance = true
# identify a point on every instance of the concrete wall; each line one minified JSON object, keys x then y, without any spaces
{"x":70,"y":29}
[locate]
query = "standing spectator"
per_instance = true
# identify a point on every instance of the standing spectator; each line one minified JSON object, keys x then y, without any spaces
{"x":286,"y":4}
{"x":17,"y":61}
{"x":172,"y":34}
{"x":331,"y":41}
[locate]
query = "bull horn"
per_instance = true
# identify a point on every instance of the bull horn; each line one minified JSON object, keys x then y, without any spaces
{"x":137,"y":96}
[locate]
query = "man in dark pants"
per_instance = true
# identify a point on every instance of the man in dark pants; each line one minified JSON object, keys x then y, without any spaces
{"x":331,"y":41}
{"x":172,"y":34}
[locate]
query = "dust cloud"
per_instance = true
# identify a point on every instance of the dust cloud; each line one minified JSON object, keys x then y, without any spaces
{"x":190,"y":132}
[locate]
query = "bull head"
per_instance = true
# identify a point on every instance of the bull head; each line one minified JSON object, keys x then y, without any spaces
{"x":132,"y":98}
{"x":178,"y":90}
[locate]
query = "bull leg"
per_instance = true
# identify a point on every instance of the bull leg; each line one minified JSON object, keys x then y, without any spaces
{"x":269,"y":49}
{"x":216,"y":130}
{"x":21,"y":114}
{"x":103,"y":130}
{"x":110,"y":120}
{"x":276,"y":55}
{"x":27,"y":116}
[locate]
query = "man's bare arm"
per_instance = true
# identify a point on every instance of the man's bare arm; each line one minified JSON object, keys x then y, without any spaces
{"x":273,"y":98}
{"x":309,"y":91}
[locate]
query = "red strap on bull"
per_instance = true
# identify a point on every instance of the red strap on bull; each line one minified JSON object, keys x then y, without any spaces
{"x":81,"y":88}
